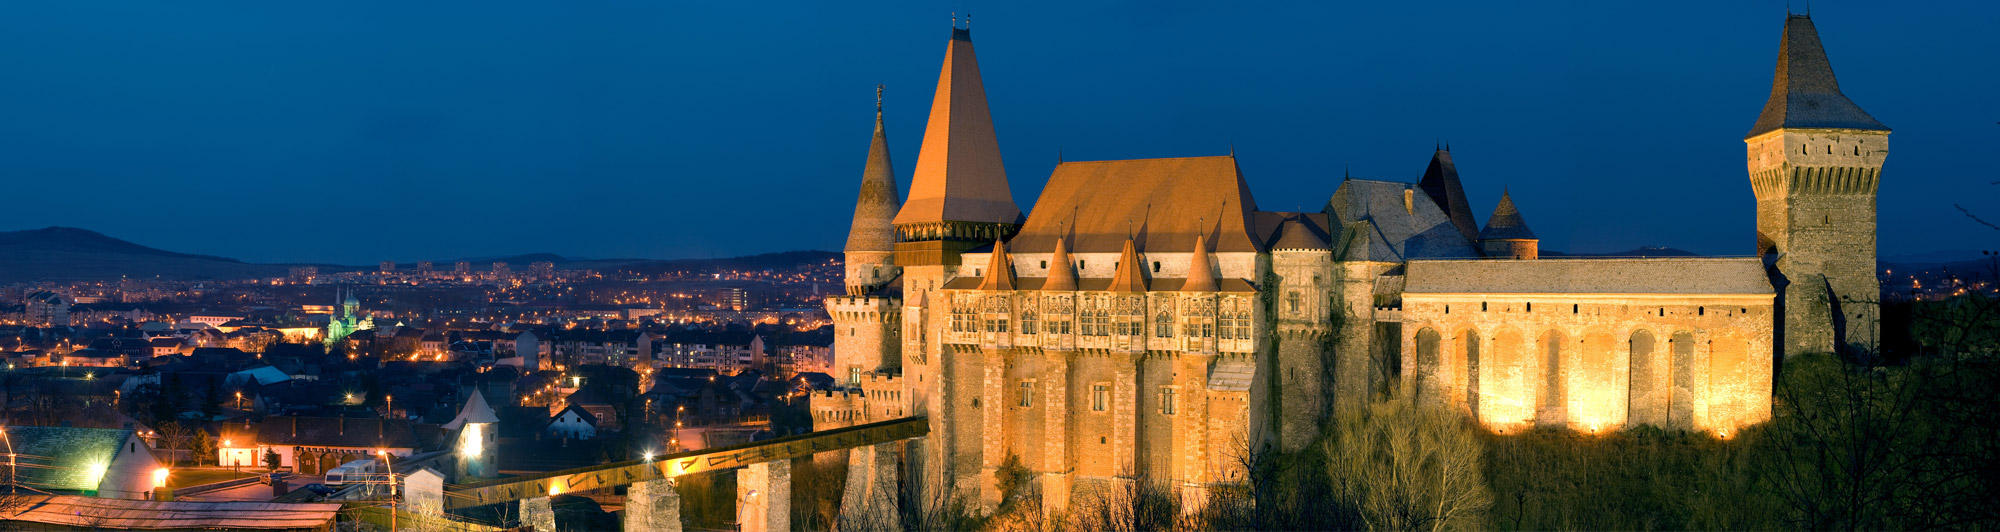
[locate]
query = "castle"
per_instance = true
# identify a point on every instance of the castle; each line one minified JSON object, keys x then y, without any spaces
{"x":1149,"y":322}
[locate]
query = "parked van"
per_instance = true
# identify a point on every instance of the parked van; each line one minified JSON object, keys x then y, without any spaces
{"x":358,"y":471}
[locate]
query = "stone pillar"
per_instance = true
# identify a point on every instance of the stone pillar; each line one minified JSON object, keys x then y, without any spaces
{"x":652,"y":505}
{"x":764,"y":497}
{"x":869,"y":501}
{"x":537,"y":513}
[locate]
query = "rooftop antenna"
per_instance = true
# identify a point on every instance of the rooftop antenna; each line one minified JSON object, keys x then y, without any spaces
{"x":878,"y":97}
{"x":968,"y":21}
{"x":954,"y":20}
{"x":1059,"y":154}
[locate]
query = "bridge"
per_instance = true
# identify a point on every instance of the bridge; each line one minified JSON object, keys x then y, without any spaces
{"x":763,"y":480}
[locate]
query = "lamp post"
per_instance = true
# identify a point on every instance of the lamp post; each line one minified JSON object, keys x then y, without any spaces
{"x":390,"y":409}
{"x":392,"y":486}
{"x":239,"y":399}
{"x":11,"y":480}
{"x":678,"y":409}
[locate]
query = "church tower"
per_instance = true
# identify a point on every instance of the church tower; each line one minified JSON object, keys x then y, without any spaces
{"x":959,"y":199}
{"x":1815,"y":160}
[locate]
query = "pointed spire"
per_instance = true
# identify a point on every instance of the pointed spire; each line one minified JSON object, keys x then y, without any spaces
{"x":875,"y":207}
{"x":1506,"y":222}
{"x":999,"y":269}
{"x":476,"y":411}
{"x":1440,"y":182}
{"x":1201,"y":274}
{"x":959,"y":175}
{"x":1130,"y":276}
{"x":1804,"y":93}
{"x":1062,"y":272}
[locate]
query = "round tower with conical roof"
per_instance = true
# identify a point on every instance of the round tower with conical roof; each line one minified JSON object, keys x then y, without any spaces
{"x":1506,"y":235}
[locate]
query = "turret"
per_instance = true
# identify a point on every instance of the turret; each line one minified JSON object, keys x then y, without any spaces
{"x":959,"y":197}
{"x":1302,"y":264}
{"x":1815,"y":160}
{"x":478,"y":438}
{"x":871,"y":240}
{"x":1506,"y":235}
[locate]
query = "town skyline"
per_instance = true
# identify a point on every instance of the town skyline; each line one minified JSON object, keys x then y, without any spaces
{"x":475,"y":139}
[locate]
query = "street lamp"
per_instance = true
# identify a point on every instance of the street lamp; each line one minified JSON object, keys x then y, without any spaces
{"x":11,"y":479}
{"x":391,"y":468}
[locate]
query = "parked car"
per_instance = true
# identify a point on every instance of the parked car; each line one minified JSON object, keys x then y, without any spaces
{"x":273,"y":477}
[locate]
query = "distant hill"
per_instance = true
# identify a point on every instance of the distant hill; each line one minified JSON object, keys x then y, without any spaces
{"x":68,"y":253}
{"x":771,"y":261}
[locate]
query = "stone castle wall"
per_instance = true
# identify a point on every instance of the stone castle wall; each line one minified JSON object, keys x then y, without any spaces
{"x":1593,"y":362}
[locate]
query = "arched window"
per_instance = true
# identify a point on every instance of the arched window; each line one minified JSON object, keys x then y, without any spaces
{"x":1030,"y":321}
{"x":1469,"y":343}
{"x":1680,"y":386}
{"x":1163,"y":324}
{"x":1642,"y":402}
{"x":1427,"y":362}
{"x":1554,"y":391}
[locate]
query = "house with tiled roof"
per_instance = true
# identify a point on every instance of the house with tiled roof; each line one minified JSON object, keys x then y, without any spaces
{"x":110,"y":463}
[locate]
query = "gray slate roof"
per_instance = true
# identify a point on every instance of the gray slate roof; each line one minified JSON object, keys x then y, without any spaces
{"x":1589,"y":276}
{"x":875,"y":207}
{"x":1506,"y":222}
{"x":1441,"y":183}
{"x":1804,"y":93}
{"x":1420,"y":231}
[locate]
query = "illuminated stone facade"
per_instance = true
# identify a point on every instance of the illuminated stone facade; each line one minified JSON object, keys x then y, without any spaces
{"x":1147,"y":322}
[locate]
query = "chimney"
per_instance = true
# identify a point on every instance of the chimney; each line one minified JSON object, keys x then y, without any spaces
{"x":295,"y":427}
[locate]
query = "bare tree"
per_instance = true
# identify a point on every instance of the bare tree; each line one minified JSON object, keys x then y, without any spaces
{"x":1409,"y":466}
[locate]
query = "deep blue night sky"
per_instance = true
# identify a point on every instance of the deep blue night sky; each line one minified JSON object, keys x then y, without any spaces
{"x":352,"y":131}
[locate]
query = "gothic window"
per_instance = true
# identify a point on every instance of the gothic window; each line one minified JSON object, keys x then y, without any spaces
{"x":1100,"y":397}
{"x":854,"y":376}
{"x":1292,"y":300}
{"x":1167,"y":405}
{"x":1163,"y":325}
{"x":1029,"y":322}
{"x":962,"y":319}
{"x":1027,"y":394}
{"x":1131,"y":316}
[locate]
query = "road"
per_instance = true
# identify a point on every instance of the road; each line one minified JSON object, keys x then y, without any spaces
{"x":253,"y":492}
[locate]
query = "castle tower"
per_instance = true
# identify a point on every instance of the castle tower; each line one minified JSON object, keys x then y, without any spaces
{"x":1815,"y":159}
{"x":871,"y":240}
{"x":1302,"y":264}
{"x":1440,"y":182}
{"x":867,"y":324}
{"x":478,"y":439}
{"x":959,"y":199}
{"x":1506,"y":235}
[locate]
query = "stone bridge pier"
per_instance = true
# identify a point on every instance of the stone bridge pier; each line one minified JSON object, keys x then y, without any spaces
{"x":868,"y":501}
{"x":764,"y":497}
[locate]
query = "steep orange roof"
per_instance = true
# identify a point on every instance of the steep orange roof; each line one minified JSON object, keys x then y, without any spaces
{"x":1160,"y":202}
{"x":1201,"y":274}
{"x":1130,"y":276}
{"x":999,"y":270}
{"x":959,"y":174}
{"x":1062,"y":275}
